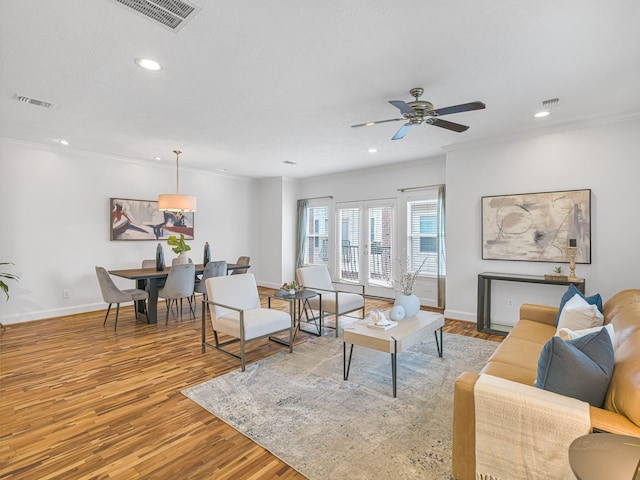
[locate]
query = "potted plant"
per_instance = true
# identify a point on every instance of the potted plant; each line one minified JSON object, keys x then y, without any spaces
{"x":556,"y":275}
{"x":407,"y":299}
{"x":290,"y":287}
{"x":180,"y":247}
{"x":3,"y":285}
{"x":9,"y":276}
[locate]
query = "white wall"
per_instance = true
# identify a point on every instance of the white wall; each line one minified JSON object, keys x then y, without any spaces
{"x":375,"y":183}
{"x":54,"y":205}
{"x":603,"y":158}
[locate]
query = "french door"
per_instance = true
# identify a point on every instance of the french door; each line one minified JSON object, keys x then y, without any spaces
{"x":365,"y":233}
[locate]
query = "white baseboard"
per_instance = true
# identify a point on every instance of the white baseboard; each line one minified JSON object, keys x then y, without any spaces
{"x":55,"y":312}
{"x":458,"y":315}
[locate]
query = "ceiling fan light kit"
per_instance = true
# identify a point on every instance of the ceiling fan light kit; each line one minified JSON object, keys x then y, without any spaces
{"x":419,"y":111}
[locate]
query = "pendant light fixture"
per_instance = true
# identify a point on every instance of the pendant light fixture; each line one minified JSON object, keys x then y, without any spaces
{"x":174,"y":202}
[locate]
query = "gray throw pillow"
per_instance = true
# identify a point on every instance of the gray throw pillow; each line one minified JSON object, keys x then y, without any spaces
{"x":579,"y":368}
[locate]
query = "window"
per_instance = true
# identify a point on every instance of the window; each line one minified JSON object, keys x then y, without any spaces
{"x":422,"y":235}
{"x":317,"y":252}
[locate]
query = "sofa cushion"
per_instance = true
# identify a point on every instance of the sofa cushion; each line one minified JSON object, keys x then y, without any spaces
{"x":580,"y":368}
{"x":571,"y":291}
{"x":577,"y":314}
{"x":623,"y":312}
{"x":568,"y":334}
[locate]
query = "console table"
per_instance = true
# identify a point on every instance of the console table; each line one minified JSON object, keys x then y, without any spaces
{"x":484,"y":294}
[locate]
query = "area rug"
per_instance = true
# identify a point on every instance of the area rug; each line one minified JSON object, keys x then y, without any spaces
{"x":299,"y":408}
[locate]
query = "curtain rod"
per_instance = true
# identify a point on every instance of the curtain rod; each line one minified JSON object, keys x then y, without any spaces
{"x":316,"y":198}
{"x":419,"y":188}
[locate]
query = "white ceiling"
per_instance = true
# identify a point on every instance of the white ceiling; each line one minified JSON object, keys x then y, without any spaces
{"x":247,"y":85}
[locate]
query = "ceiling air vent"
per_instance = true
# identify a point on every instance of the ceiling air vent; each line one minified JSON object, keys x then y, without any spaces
{"x":33,"y":101}
{"x":171,"y":14}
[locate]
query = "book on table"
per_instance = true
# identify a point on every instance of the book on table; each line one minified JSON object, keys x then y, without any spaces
{"x":382,"y":326}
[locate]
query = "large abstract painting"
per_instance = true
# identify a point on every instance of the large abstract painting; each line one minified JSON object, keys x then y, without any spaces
{"x":141,"y":220}
{"x":537,"y":227}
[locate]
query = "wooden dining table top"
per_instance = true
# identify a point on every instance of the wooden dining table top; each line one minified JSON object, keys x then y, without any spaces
{"x":142,"y":273}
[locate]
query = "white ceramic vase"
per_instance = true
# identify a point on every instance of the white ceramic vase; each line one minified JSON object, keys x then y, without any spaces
{"x":182,"y":258}
{"x":410,"y":303}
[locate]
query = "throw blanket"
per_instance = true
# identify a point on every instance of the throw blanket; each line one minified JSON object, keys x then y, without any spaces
{"x":523,"y":432}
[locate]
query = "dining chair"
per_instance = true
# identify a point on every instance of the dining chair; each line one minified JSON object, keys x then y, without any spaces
{"x":112,"y":294}
{"x":241,"y":261}
{"x":179,"y":284}
{"x":334,"y":302}
{"x":216,"y":268}
{"x":235,"y":310}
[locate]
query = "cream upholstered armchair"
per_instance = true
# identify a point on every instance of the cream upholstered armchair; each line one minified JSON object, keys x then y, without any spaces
{"x":336,"y":302}
{"x":234,"y":305}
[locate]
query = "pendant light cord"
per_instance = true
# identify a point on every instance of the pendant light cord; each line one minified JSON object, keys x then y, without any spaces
{"x":177,"y":152}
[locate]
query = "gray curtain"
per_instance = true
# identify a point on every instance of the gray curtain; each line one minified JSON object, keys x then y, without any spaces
{"x":442,"y":269}
{"x":301,"y":234}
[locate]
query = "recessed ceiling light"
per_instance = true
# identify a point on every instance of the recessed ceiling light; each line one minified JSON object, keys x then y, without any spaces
{"x":542,"y":113}
{"x":63,"y":142}
{"x":148,"y":64}
{"x":157,"y":158}
{"x":221,"y":170}
{"x":373,"y":150}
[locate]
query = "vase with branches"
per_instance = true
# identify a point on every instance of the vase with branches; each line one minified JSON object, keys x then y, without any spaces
{"x":407,"y":278}
{"x":409,"y":302}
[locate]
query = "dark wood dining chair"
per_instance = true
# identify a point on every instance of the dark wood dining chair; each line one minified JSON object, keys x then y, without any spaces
{"x":241,"y":261}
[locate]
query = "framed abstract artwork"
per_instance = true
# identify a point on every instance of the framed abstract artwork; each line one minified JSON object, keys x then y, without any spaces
{"x":141,"y":220}
{"x":537,"y":227}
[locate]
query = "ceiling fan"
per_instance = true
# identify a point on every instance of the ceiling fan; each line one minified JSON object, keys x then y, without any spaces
{"x":420,"y":111}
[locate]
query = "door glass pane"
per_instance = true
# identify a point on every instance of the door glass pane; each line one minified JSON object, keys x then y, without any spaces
{"x":317,"y":236}
{"x":349,"y":242}
{"x":380,"y":234}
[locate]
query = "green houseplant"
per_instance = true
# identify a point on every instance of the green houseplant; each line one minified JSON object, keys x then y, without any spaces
{"x":8,"y":276}
{"x":179,"y":247}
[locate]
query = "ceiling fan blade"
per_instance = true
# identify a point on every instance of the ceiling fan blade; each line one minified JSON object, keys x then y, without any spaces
{"x":404,"y":108}
{"x":377,"y":122}
{"x":456,"y":127}
{"x":465,"y":107}
{"x":402,"y":132}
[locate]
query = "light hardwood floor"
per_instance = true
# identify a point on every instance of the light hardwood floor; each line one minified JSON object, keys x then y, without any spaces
{"x":80,"y":401}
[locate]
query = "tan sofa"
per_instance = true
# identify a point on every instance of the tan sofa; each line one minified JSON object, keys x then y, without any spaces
{"x":516,"y":359}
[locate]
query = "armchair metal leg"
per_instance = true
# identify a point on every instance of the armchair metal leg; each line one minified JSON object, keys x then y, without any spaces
{"x":203,"y":325}
{"x":242,"y":353}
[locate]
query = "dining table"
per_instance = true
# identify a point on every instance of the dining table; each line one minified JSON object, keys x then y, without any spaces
{"x":152,"y":279}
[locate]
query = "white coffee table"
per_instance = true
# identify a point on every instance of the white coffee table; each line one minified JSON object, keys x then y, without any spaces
{"x":408,"y":332}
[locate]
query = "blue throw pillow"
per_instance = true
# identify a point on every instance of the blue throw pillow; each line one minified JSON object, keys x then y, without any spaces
{"x":580,"y":368}
{"x":569,"y":294}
